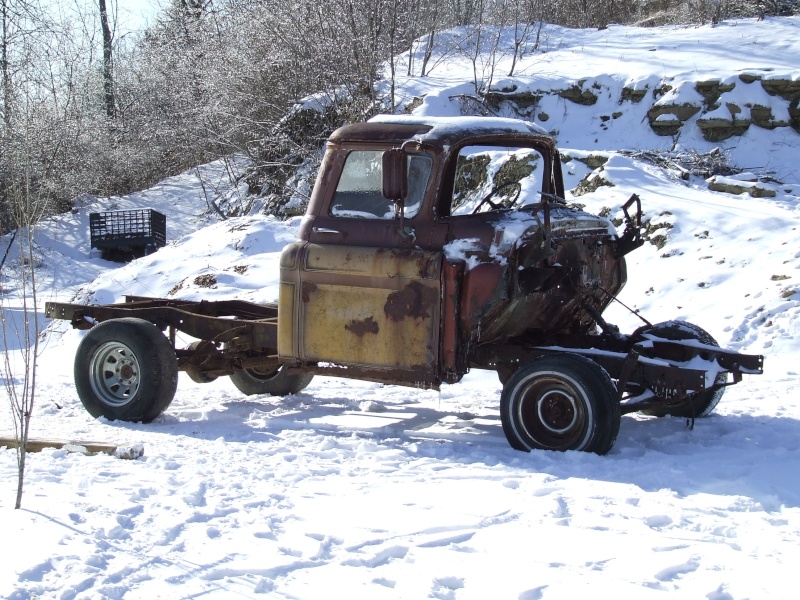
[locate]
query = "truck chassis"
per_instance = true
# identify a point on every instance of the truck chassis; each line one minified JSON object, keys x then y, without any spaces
{"x":669,"y":368}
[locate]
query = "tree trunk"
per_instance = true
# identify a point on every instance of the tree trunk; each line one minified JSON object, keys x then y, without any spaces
{"x":4,"y":66}
{"x":108,"y":75}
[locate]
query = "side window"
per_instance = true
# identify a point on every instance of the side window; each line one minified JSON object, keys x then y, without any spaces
{"x":494,"y":178}
{"x":359,"y":191}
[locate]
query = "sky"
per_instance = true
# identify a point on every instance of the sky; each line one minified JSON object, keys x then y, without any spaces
{"x":136,"y":14}
{"x":387,"y":492}
{"x":131,"y":15}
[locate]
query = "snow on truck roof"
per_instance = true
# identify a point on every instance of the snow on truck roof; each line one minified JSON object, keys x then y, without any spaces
{"x":433,"y":129}
{"x":479,"y":125}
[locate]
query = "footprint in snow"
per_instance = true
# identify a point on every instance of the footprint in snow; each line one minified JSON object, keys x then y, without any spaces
{"x":197,"y":497}
{"x":125,"y":522}
{"x":534,"y":594}
{"x":73,"y":590}
{"x":97,"y":562}
{"x":674,"y":572}
{"x":444,"y":588}
{"x":499,"y":519}
{"x":379,"y":559}
{"x":561,"y":512}
{"x":36,"y":573}
{"x":658,"y":521}
{"x":446,"y":541}
{"x":719,"y":594}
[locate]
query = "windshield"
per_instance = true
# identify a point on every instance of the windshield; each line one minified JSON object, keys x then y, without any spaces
{"x":494,"y":178}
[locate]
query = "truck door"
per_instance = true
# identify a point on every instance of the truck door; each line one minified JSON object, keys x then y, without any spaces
{"x":367,"y":291}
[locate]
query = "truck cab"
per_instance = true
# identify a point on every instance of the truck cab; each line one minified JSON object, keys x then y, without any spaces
{"x":430,"y":246}
{"x":427,"y":238}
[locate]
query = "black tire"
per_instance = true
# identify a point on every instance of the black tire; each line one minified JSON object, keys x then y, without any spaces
{"x":560,"y":402}
{"x":125,"y":369}
{"x":698,"y":405}
{"x":276,"y":382}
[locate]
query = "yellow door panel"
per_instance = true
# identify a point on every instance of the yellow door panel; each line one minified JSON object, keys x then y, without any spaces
{"x":373,"y":262}
{"x":369,"y":307}
{"x":369,"y":326}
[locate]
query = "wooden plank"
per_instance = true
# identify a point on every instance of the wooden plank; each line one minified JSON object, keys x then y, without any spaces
{"x":129,"y":451}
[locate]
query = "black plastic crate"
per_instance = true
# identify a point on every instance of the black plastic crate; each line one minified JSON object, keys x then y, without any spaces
{"x":126,"y":234}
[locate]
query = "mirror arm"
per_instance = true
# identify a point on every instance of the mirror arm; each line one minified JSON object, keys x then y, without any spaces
{"x":404,"y":233}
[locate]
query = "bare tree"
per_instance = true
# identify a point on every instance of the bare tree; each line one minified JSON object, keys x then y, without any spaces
{"x":20,"y":323}
{"x":432,"y":23}
{"x":4,"y":65}
{"x":466,"y":12}
{"x":482,"y":45}
{"x":527,"y":22}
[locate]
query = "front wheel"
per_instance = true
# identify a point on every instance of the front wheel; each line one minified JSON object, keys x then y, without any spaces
{"x":560,"y":402}
{"x":275,"y":382}
{"x":126,"y":369}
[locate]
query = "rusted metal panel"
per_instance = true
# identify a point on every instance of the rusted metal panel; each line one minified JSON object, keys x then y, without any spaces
{"x":288,"y":291}
{"x":370,"y":326}
{"x":373,"y":262}
{"x":419,"y":377}
{"x":369,"y":306}
{"x":453,"y":348}
{"x":519,"y":289}
{"x":287,"y":332}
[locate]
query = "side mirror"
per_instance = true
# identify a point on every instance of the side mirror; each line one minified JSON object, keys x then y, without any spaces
{"x":395,"y":177}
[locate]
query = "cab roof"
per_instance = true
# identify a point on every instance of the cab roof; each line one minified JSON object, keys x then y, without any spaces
{"x":438,"y":131}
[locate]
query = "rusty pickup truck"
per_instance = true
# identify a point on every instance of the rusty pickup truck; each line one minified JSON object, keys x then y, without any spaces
{"x":430,"y":246}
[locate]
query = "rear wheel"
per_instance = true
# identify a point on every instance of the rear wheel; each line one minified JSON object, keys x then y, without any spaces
{"x":560,"y":402}
{"x":275,"y":382}
{"x":698,"y":405}
{"x":125,"y":369}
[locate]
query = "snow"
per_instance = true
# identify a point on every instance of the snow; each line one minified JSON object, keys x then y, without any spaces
{"x":441,"y":126}
{"x":361,"y":490}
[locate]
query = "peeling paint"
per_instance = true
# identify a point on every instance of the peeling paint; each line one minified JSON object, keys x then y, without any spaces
{"x":363,"y":327}
{"x":415,"y":301}
{"x":308,"y":290}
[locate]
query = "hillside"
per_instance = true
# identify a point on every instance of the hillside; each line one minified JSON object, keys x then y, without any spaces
{"x":387,"y":492}
{"x":730,"y":87}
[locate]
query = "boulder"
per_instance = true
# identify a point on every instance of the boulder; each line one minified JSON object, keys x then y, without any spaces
{"x":794,"y":114}
{"x":762,"y":117}
{"x":633,"y":95}
{"x":578,"y":95}
{"x":723,"y":123}
{"x":787,"y":89}
{"x":591,"y":183}
{"x":712,"y":90}
{"x":736,"y":187}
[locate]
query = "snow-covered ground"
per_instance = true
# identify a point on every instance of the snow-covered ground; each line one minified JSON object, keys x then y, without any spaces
{"x":359,"y":490}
